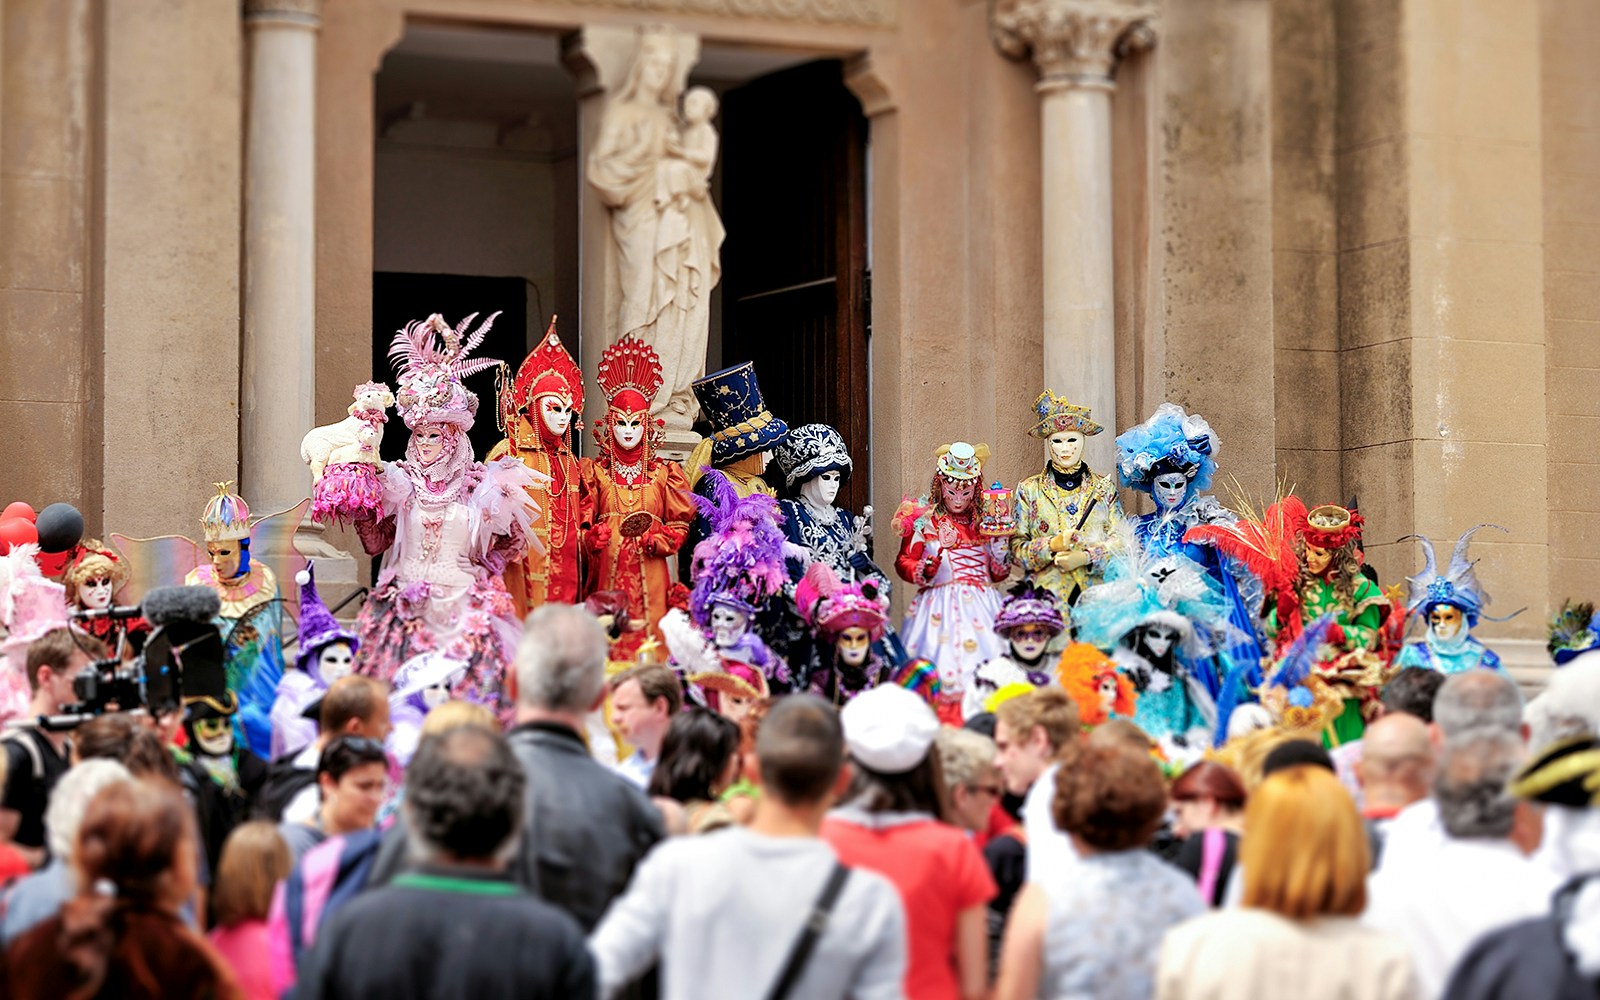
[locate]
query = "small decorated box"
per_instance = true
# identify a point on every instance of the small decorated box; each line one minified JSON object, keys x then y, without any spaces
{"x":994,"y":513}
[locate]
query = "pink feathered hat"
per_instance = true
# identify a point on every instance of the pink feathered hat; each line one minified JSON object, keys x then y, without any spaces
{"x":430,"y":358}
{"x":831,"y":606}
{"x":30,"y":605}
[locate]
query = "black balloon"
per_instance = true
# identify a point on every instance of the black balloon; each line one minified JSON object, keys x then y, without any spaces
{"x":60,"y":527}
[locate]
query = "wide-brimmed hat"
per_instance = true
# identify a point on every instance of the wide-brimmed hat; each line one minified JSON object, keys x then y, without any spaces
{"x":1054,"y":415}
{"x":741,"y":424}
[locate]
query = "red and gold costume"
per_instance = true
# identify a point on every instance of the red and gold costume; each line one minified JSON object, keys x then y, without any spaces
{"x":551,"y":575}
{"x":636,"y":508}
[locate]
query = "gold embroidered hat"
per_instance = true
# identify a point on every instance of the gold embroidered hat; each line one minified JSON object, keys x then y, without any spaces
{"x":1056,"y":414}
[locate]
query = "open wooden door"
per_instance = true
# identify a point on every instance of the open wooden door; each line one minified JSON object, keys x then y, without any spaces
{"x":794,"y":286}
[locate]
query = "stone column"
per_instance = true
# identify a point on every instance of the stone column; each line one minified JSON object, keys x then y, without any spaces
{"x":278,"y":365}
{"x":1075,"y":45}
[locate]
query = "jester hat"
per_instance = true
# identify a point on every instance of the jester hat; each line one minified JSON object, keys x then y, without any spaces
{"x":318,"y":628}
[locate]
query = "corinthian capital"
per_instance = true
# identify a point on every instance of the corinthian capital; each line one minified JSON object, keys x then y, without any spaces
{"x":1072,"y":41}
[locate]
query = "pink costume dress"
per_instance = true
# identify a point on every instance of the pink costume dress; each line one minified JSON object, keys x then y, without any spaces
{"x":440,"y":588}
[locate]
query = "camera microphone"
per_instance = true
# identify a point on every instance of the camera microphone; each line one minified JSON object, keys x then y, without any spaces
{"x":113,"y":612}
{"x":166,"y":605}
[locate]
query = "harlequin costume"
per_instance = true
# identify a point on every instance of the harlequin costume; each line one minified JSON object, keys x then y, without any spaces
{"x":831,"y":535}
{"x":1026,"y":605}
{"x":548,"y":570}
{"x":1455,"y":587}
{"x":742,"y":428}
{"x":954,"y":568}
{"x":1170,"y":444}
{"x":305,"y":685}
{"x":1075,"y":504}
{"x":454,"y":525}
{"x":91,"y":561}
{"x":251,"y":618}
{"x":831,"y":607}
{"x":635,"y":506}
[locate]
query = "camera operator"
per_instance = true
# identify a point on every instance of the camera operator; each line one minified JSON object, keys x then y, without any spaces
{"x":36,"y":757}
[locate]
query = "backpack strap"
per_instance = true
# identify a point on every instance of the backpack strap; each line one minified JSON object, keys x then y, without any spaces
{"x":816,"y":923}
{"x":30,"y":746}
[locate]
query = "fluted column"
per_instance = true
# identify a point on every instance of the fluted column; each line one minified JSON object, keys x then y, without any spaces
{"x":1075,"y":44}
{"x":278,"y":364}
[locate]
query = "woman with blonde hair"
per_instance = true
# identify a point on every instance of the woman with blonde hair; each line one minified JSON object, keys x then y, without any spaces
{"x":1305,"y":861}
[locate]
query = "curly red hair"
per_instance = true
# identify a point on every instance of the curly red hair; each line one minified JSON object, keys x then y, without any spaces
{"x":1081,"y":670}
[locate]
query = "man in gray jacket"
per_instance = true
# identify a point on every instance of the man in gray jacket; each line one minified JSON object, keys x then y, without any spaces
{"x":586,"y":827}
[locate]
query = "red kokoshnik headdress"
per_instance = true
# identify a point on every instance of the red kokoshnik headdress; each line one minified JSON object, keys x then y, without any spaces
{"x":629,"y":376}
{"x":548,"y":371}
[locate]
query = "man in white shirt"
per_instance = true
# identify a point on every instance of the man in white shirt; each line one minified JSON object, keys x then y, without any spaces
{"x":1479,"y":877}
{"x":644,"y":702}
{"x":722,"y":912}
{"x":1029,"y":731}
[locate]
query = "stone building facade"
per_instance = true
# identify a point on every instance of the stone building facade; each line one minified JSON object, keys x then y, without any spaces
{"x":1362,"y":237}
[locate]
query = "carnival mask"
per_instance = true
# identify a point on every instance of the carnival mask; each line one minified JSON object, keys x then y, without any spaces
{"x":853,"y":644}
{"x":1158,"y":640}
{"x":958,"y":494}
{"x":225,"y":557}
{"x":335,"y":661}
{"x":727,"y":625}
{"x":1066,"y":449}
{"x":1445,"y":620}
{"x":95,"y":594}
{"x":1106,"y":687}
{"x":556,"y":413}
{"x":214,"y":736}
{"x":627,"y":430}
{"x":435,"y":696}
{"x":429,"y":439}
{"x":821,"y":491}
{"x":1317,"y":560}
{"x":1028,"y":642}
{"x":1169,"y":489}
{"x":734,"y":707}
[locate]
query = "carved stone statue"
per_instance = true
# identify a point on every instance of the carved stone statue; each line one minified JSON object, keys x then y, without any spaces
{"x":651,"y":169}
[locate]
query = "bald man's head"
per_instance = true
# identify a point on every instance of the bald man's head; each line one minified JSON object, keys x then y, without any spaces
{"x":1396,"y":767}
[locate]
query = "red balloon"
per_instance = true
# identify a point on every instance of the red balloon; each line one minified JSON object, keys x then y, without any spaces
{"x":19,"y":509}
{"x":16,"y":531}
{"x":51,"y":564}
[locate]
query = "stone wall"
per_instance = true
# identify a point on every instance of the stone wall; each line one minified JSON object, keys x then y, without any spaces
{"x":1570,"y":78}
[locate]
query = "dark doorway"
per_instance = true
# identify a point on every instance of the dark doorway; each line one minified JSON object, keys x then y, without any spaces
{"x":398,"y":298}
{"x":794,"y":288}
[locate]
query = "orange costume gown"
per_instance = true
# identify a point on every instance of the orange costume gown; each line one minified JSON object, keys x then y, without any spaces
{"x":550,"y":575}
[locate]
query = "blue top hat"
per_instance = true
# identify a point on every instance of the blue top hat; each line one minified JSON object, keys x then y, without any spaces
{"x":741,"y":423}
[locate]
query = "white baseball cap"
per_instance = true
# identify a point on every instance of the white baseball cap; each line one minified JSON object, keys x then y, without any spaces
{"x":888,"y":729}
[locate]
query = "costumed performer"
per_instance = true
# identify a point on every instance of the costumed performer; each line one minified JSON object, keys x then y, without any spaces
{"x":1574,"y":631}
{"x":636,"y":508}
{"x":737,"y":570}
{"x":1028,"y":621}
{"x":251,"y":617}
{"x":327,"y":653}
{"x":1450,"y":603}
{"x":1100,"y":690}
{"x":93,"y":576}
{"x":954,"y":568}
{"x":421,"y":684}
{"x":30,"y":606}
{"x":743,"y":434}
{"x":816,"y":465}
{"x":1163,"y":622}
{"x":536,"y":411}
{"x":453,"y":525}
{"x":232,"y":774}
{"x":1173,"y":457}
{"x":730,"y":691}
{"x":1066,"y":513}
{"x":848,"y":618}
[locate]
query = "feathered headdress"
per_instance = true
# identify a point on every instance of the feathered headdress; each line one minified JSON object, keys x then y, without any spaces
{"x":1084,"y":671}
{"x":1574,"y":630}
{"x":30,"y":605}
{"x":1296,"y":695}
{"x":1457,"y":586}
{"x":741,"y":561}
{"x":1174,"y":591}
{"x":831,"y":606}
{"x":1170,"y":441}
{"x":1265,"y":545}
{"x":430,"y":358}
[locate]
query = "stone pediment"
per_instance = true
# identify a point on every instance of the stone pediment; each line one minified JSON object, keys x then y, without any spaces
{"x":874,"y":13}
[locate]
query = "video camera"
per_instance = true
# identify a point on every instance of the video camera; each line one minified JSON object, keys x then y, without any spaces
{"x":184,"y":640}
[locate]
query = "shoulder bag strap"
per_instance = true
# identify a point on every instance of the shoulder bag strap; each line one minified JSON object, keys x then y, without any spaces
{"x":816,"y":923}
{"x":1213,"y":847}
